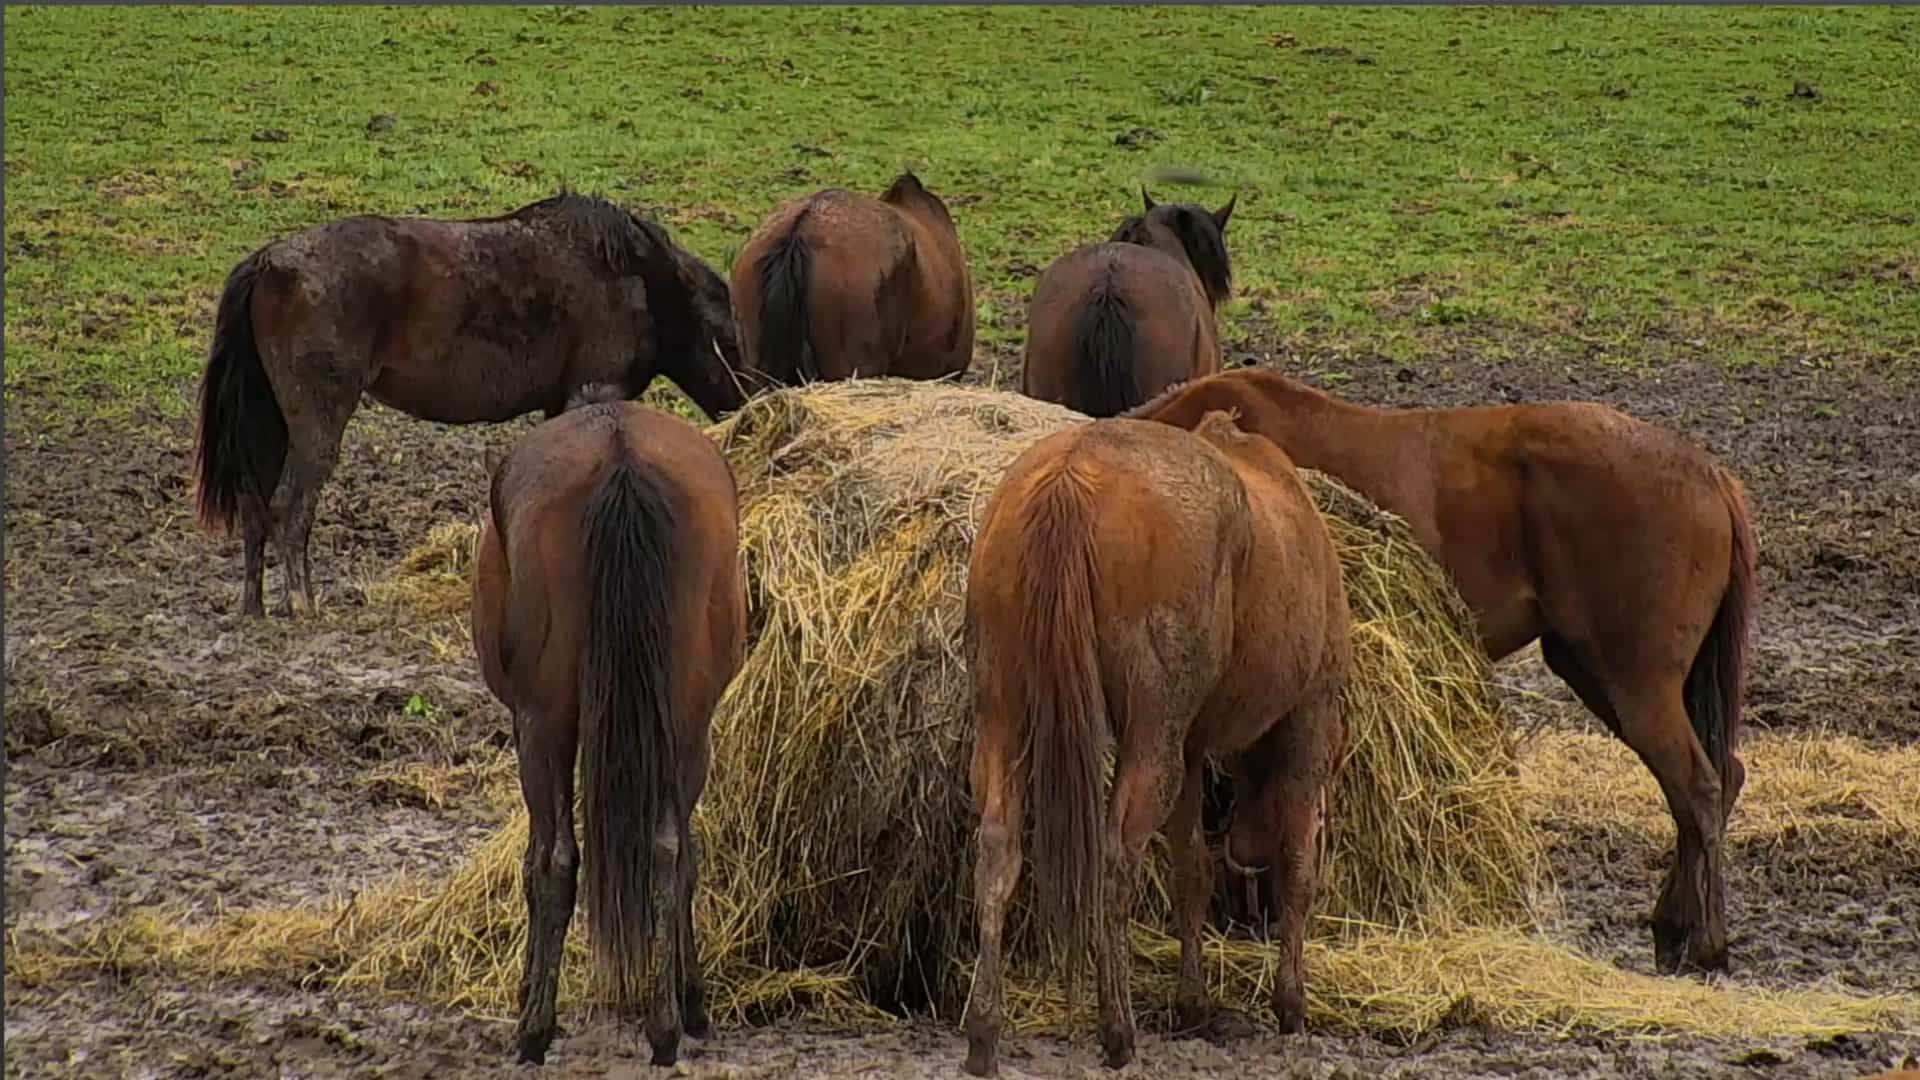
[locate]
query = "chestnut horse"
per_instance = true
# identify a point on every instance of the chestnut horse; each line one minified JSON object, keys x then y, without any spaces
{"x":609,"y":615}
{"x":837,"y":285}
{"x":453,"y":321}
{"x":1180,"y":595}
{"x":1624,"y":550}
{"x":1113,"y":324}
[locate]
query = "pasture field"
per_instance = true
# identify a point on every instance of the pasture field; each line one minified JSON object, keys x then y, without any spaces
{"x":1705,"y":217}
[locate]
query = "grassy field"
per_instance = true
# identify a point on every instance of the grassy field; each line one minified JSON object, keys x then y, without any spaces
{"x":1613,"y":185}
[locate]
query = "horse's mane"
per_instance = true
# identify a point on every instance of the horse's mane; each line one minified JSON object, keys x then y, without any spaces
{"x":621,"y":240}
{"x":1155,"y":401}
{"x":1199,"y":234}
{"x":594,"y":393}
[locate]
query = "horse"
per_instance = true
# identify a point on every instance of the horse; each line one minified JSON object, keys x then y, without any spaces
{"x":838,"y":285}
{"x":609,"y":615}
{"x":1178,"y":594}
{"x":1625,"y":550}
{"x":459,"y":322}
{"x":1112,"y":324}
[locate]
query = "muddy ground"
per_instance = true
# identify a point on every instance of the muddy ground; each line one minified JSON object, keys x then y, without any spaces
{"x":161,"y":751}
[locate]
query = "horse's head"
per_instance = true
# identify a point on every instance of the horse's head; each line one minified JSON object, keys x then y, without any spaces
{"x":717,"y":353}
{"x":1189,"y":232}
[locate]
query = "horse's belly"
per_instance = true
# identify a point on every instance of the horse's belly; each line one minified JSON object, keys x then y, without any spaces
{"x":455,"y":396}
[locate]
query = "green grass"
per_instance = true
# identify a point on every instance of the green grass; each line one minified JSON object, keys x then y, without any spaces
{"x":1624,"y":185}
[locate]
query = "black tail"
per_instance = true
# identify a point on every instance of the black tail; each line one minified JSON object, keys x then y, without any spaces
{"x":1104,"y":357}
{"x":242,"y":442}
{"x":629,"y":777}
{"x":784,"y":344}
{"x":1716,"y":684}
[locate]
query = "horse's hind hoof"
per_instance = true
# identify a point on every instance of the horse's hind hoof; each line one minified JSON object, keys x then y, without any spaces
{"x":666,"y":1051}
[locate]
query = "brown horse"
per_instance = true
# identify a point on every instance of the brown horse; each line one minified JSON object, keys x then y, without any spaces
{"x":1113,"y":324}
{"x":1626,"y":551}
{"x":1182,"y":596}
{"x":609,"y":615}
{"x":837,"y":285}
{"x":453,"y":321}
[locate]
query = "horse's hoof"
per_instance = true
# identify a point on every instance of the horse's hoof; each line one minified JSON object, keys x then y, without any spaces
{"x":533,"y":1051}
{"x":1669,"y":949}
{"x":1119,"y":1051}
{"x":1290,"y":1013}
{"x":666,"y":1051}
{"x":980,"y":1061}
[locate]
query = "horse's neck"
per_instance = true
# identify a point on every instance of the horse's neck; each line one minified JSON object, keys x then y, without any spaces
{"x":1354,"y":443}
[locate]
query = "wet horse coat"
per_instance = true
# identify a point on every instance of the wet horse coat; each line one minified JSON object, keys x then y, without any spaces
{"x":1180,"y":595}
{"x":453,"y":321}
{"x":609,"y":615}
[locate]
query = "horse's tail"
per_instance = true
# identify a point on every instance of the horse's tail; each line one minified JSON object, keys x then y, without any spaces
{"x":1716,"y":684}
{"x":1104,"y":353}
{"x":629,"y":779}
{"x":784,"y":342}
{"x":1066,"y":721}
{"x":242,"y":442}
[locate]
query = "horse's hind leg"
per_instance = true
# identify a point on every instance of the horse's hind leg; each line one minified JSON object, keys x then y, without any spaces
{"x":1649,"y":715}
{"x":999,"y":791}
{"x":1292,"y":770}
{"x":665,"y":1024}
{"x":1145,"y":783}
{"x":255,"y":524}
{"x":1689,"y":919}
{"x":548,"y":873}
{"x":693,"y":996}
{"x":1193,"y":888}
{"x":316,"y":419}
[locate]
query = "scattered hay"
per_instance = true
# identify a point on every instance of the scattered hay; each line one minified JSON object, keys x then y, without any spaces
{"x":435,"y":579}
{"x":1832,"y":790}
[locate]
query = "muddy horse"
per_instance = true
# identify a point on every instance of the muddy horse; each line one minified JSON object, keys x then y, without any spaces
{"x":1626,"y":551}
{"x":1179,"y":596}
{"x":1113,"y":324}
{"x":839,"y":285}
{"x":609,"y":615}
{"x":453,"y":321}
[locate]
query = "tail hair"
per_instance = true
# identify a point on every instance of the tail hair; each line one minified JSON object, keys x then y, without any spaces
{"x":630,"y":781}
{"x":784,"y":343}
{"x":241,"y":445}
{"x":1066,"y":724}
{"x":1716,"y":685}
{"x":1105,"y":351}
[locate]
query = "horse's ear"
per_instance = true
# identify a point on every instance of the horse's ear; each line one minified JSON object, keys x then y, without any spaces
{"x":1221,"y":215}
{"x":1147,"y":199}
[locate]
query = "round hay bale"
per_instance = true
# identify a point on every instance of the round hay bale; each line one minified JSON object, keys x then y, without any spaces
{"x":838,"y":821}
{"x":837,"y":824}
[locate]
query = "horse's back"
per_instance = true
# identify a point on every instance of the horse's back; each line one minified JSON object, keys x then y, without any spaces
{"x":543,"y":491}
{"x":1172,"y":326}
{"x":1136,"y":481}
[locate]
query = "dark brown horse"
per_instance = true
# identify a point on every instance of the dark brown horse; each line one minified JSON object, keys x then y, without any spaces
{"x":837,"y":285}
{"x":453,"y":321}
{"x":1625,"y":550}
{"x":1182,"y":596}
{"x":609,"y":615}
{"x":1113,"y":324}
